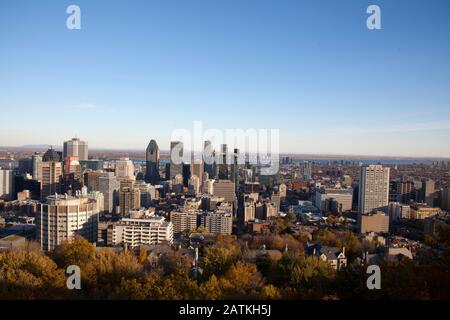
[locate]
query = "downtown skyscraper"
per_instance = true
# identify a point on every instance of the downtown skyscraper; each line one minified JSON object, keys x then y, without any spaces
{"x":223,"y":166}
{"x":52,"y":172}
{"x":208,"y":159}
{"x":75,"y":148}
{"x":152,"y":163}
{"x":176,"y":158}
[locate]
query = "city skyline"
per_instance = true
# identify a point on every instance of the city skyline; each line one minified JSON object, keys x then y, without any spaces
{"x":315,"y":72}
{"x":165,"y":151}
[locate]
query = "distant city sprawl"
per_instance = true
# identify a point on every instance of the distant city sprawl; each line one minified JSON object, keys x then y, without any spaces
{"x":217,"y":223}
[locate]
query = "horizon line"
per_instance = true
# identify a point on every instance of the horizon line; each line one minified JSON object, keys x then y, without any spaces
{"x":281,"y":154}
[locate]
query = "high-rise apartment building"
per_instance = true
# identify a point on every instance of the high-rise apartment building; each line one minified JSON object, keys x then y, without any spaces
{"x":129,"y":198}
{"x":373,"y":188}
{"x":62,"y":218}
{"x":76,"y":148}
{"x":218,"y":223}
{"x":6,"y":184}
{"x":184,"y":221}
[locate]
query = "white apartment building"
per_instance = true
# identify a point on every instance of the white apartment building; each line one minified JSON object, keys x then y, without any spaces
{"x":150,"y":229}
{"x":6,"y":184}
{"x":63,"y":217}
{"x":373,"y":188}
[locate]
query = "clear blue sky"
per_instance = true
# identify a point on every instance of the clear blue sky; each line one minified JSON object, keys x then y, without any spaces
{"x":139,"y":69}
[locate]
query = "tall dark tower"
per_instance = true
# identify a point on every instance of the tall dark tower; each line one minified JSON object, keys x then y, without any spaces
{"x":152,"y":162}
{"x":215,"y":169}
{"x":234,"y":169}
{"x":223,"y":166}
{"x":186,"y":173}
{"x":208,"y":159}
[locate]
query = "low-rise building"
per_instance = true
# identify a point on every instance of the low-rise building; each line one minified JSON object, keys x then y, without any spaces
{"x":336,"y":200}
{"x":12,"y":242}
{"x":146,"y":230}
{"x":422,"y":211}
{"x":376,"y":222}
{"x":398,"y":210}
{"x":334,"y":256}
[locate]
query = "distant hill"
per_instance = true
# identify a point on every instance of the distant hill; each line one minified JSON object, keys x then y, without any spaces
{"x":36,"y":146}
